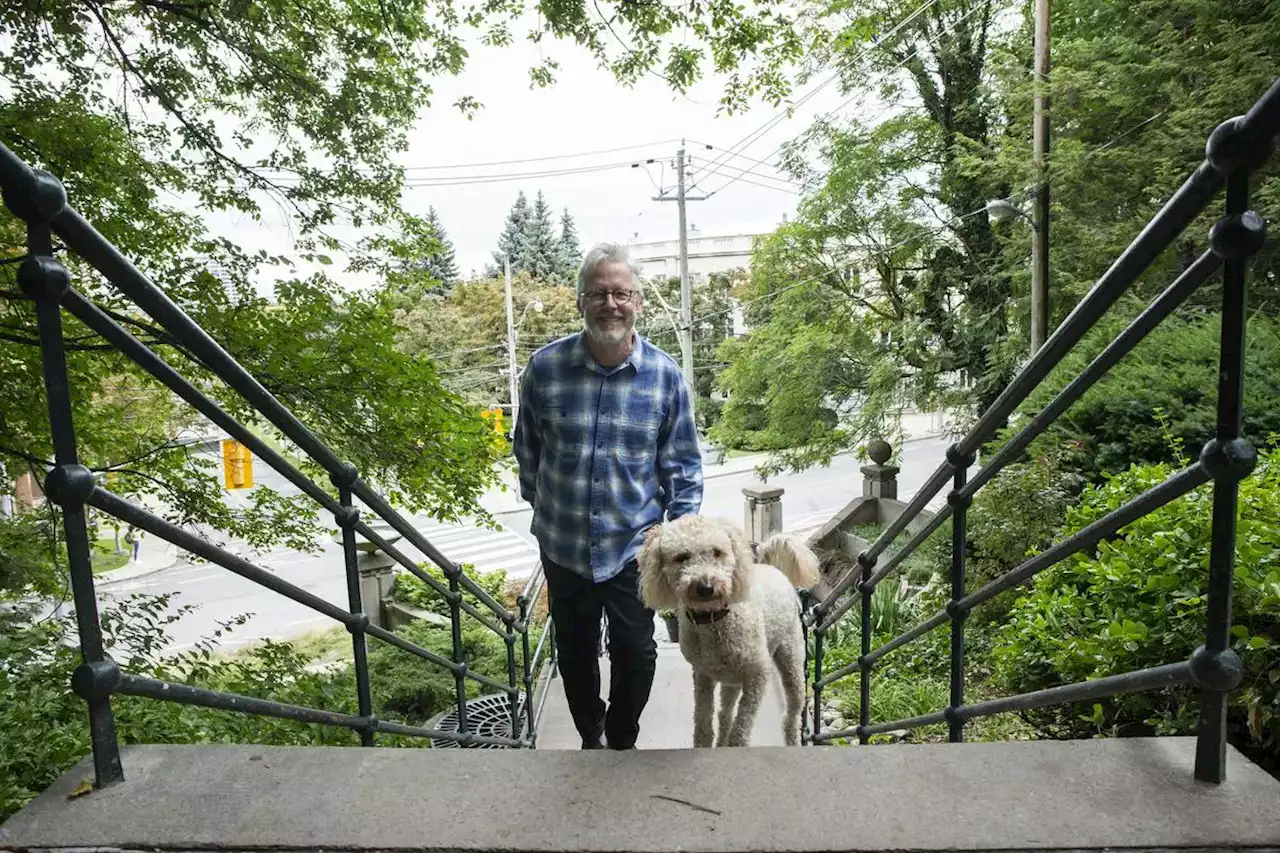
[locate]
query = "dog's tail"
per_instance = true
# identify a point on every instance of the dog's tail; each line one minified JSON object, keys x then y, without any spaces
{"x":791,"y":556}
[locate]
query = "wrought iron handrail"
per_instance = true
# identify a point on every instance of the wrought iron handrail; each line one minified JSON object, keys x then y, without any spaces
{"x":1236,"y":149}
{"x":39,"y":199}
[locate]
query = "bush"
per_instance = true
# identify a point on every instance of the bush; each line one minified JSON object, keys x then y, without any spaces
{"x":1012,"y":518}
{"x":411,"y":590}
{"x":408,"y":688}
{"x":1173,"y":372}
{"x":1139,"y":601}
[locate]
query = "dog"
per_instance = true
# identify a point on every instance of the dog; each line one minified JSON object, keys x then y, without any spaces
{"x":739,"y":618}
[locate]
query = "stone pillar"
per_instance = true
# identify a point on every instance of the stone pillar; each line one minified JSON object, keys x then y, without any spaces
{"x":763,"y":512}
{"x":878,"y":479}
{"x":377,"y":572}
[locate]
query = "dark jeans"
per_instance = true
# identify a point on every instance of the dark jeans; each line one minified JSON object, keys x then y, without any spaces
{"x":576,"y":606}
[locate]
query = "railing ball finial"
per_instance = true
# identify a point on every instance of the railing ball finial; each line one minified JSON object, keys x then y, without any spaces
{"x":69,"y":485}
{"x":95,"y":680}
{"x":40,"y":200}
{"x":1229,"y":460}
{"x":345,"y":477}
{"x":1218,"y":671}
{"x":1232,"y":146}
{"x":1238,"y":235}
{"x":43,"y":278}
{"x":879,"y":451}
{"x":346,"y":517}
{"x":956,"y":459}
{"x":358,"y":624}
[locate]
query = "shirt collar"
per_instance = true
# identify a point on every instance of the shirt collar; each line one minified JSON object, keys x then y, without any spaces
{"x":640,"y":358}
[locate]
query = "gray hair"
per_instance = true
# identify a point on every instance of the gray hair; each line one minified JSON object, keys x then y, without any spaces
{"x":601,"y":252}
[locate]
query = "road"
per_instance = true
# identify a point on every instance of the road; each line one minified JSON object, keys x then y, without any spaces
{"x":811,"y":498}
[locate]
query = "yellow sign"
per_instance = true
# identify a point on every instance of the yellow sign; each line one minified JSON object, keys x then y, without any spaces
{"x":237,"y":465}
{"x":496,"y":416}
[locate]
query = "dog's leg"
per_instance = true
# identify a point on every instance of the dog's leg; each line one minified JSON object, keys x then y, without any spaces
{"x":753,"y":687}
{"x":704,"y":700}
{"x":791,"y":668}
{"x":729,"y":694}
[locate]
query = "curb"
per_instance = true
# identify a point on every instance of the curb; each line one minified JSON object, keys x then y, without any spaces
{"x":106,"y":579}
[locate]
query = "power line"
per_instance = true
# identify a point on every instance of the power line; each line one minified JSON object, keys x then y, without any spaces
{"x":753,"y":137}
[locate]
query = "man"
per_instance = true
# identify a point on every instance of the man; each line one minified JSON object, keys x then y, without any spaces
{"x":607,"y":448}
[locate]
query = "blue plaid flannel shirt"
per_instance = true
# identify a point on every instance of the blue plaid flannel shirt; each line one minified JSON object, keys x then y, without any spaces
{"x":604,"y":452}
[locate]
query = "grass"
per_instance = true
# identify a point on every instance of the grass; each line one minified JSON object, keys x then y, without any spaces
{"x":105,"y":558}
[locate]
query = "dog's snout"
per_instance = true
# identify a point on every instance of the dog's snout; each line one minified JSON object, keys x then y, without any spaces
{"x":704,"y":589}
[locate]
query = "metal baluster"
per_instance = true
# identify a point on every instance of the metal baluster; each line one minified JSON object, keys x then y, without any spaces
{"x":868,"y":564}
{"x":1228,"y":457}
{"x":523,"y":603}
{"x":347,"y":520}
{"x":460,"y":677}
{"x":818,"y":635}
{"x":509,"y":638}
{"x":959,"y":530}
{"x":46,"y":281}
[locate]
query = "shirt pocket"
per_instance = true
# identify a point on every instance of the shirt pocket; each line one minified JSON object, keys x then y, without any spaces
{"x":637,"y":438}
{"x":566,"y":428}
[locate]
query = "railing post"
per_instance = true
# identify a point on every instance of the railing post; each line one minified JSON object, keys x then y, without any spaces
{"x":1227,"y":457}
{"x":763,"y":511}
{"x":959,"y":531}
{"x":523,"y":603}
{"x":866,"y":590}
{"x":460,"y":677}
{"x":508,"y":621}
{"x":46,"y":281}
{"x":818,"y":634}
{"x":347,"y":519}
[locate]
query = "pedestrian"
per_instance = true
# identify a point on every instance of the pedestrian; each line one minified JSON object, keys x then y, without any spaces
{"x":606,"y":446}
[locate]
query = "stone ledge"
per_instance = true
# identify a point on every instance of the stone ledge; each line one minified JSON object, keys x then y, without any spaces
{"x":1081,"y":795}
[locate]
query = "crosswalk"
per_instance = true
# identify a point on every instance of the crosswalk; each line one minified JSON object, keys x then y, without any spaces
{"x":488,"y":550}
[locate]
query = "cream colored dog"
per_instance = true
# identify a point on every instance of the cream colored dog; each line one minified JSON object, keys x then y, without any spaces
{"x":739,"y":618}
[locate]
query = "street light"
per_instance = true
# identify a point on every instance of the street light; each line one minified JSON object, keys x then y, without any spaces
{"x":1001,"y":209}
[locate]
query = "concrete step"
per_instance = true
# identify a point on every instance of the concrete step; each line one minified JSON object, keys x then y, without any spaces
{"x":1135,"y":794}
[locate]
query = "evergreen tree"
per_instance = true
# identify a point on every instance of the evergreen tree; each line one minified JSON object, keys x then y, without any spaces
{"x":442,"y":265}
{"x":513,"y":240}
{"x":542,"y":260}
{"x":570,"y":250}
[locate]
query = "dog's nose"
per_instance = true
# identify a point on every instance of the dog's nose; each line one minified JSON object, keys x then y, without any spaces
{"x":704,"y":589}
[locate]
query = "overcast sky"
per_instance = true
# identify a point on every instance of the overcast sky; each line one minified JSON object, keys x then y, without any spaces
{"x":586,"y":110}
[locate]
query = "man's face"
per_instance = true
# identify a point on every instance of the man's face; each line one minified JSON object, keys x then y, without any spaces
{"x":608,"y":320}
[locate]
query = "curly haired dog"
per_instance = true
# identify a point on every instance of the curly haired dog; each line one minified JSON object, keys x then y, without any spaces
{"x":738,"y":618}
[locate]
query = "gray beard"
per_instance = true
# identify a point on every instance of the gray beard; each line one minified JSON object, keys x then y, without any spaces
{"x":609,"y":338}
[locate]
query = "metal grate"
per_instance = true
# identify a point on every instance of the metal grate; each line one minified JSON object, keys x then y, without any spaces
{"x":489,"y":716}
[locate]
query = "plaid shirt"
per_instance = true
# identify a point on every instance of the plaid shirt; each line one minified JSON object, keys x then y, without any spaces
{"x":604,"y":452}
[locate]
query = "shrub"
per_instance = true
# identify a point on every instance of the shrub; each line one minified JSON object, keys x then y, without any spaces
{"x":1013,"y":517}
{"x":1139,"y":601}
{"x":411,"y":590}
{"x":1173,"y":372}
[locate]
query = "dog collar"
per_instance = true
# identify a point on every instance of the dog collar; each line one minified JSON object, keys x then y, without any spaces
{"x":707,"y":617}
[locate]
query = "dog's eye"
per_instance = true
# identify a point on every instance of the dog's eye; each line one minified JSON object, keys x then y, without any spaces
{"x":683,"y":556}
{"x":718,"y":553}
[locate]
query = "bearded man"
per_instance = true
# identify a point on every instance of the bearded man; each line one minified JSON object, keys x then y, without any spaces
{"x":607,"y":448}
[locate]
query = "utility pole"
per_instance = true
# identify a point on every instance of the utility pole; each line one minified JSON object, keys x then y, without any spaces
{"x":1040,"y":158}
{"x":511,"y":341}
{"x":686,"y":288}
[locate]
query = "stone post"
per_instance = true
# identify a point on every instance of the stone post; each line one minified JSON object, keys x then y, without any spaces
{"x":376,"y":570}
{"x":878,"y":479}
{"x":763,"y":512}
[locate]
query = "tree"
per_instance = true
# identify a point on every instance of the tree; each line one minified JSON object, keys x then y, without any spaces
{"x":237,"y":106}
{"x":513,"y":244}
{"x":441,"y":265}
{"x":465,"y":333}
{"x":542,"y":259}
{"x":570,"y":252}
{"x":713,"y":324}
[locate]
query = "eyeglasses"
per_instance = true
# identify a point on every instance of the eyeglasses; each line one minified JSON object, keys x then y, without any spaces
{"x":621,"y":297}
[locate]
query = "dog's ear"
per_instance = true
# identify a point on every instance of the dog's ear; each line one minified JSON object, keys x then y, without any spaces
{"x":743,"y":559}
{"x":655,"y":588}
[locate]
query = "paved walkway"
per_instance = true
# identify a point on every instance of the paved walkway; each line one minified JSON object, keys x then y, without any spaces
{"x":668,"y":718}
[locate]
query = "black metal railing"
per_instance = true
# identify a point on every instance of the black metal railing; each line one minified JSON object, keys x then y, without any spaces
{"x":1236,"y":149}
{"x":39,"y":199}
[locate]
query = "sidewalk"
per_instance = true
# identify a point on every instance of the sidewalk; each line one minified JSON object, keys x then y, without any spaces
{"x":155,"y":555}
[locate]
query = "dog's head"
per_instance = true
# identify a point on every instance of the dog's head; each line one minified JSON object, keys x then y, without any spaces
{"x":694,"y":562}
